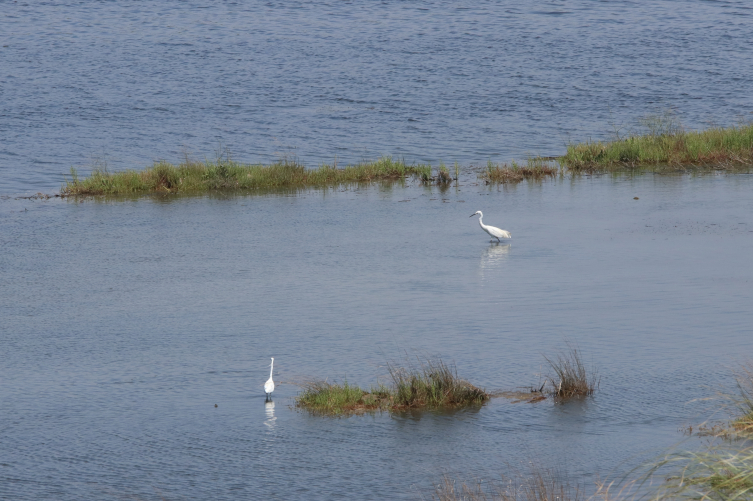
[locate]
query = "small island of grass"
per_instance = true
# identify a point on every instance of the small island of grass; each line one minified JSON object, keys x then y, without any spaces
{"x":434,"y":385}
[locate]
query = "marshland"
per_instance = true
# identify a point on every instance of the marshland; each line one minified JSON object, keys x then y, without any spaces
{"x":608,"y":137}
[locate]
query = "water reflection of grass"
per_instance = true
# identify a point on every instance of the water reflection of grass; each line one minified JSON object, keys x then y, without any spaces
{"x":432,"y":385}
{"x":227,"y":175}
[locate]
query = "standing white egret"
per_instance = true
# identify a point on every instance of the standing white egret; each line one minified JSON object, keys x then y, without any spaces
{"x":491,"y":230}
{"x":269,"y":386}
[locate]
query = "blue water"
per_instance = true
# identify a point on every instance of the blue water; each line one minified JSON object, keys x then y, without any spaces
{"x":135,"y":334}
{"x":124,"y":83}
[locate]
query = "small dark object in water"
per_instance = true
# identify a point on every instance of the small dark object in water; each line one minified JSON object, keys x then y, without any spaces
{"x":215,"y":405}
{"x":635,"y":198}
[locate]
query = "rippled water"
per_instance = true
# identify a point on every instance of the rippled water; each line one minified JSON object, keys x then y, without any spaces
{"x":126,"y":82}
{"x":124,"y":322}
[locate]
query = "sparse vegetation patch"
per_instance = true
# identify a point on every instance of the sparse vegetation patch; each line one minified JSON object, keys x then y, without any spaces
{"x":535,"y":169}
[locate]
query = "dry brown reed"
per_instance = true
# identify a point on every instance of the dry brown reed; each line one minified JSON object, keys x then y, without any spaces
{"x":539,"y":485}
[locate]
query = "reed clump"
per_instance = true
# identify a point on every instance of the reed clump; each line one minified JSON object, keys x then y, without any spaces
{"x":718,"y":472}
{"x":665,"y":145}
{"x":433,"y":385}
{"x":743,"y":424}
{"x":535,"y":169}
{"x":571,"y":376}
{"x":225,"y":174}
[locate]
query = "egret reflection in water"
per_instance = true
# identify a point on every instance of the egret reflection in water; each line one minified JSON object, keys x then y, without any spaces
{"x":269,"y":410}
{"x":493,"y":256}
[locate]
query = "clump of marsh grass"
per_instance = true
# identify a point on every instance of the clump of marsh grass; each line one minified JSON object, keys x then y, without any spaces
{"x":571,"y":376}
{"x":665,"y":144}
{"x":443,"y":175}
{"x":536,"y":169}
{"x":433,"y":385}
{"x":718,"y":472}
{"x":226,"y":174}
{"x":335,"y":399}
{"x":539,"y":485}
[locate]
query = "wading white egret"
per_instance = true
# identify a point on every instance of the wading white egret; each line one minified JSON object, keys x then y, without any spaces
{"x":491,"y":230}
{"x":269,"y":386}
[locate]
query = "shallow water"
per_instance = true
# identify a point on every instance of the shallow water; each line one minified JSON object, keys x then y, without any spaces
{"x":125,"y":322}
{"x":124,"y":83}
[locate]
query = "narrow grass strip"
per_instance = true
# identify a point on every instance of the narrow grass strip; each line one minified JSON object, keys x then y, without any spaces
{"x":197,"y":177}
{"x":717,"y":148}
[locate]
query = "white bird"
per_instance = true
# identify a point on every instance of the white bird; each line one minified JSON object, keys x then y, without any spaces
{"x":491,"y":230}
{"x":269,"y":386}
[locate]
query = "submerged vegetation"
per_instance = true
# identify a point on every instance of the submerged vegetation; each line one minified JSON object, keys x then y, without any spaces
{"x":536,"y":169}
{"x":433,"y":385}
{"x":665,"y":143}
{"x":225,"y":174}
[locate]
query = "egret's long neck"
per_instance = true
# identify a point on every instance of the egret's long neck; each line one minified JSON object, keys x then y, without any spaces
{"x":271,"y":368}
{"x":481,"y":220}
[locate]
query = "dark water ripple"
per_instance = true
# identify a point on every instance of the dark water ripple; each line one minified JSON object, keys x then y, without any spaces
{"x":126,"y":83}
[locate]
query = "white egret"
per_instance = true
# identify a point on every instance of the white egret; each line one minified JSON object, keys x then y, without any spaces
{"x":491,"y":230}
{"x":269,"y":386}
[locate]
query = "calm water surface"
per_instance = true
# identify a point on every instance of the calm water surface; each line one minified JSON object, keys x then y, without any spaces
{"x":124,"y":322}
{"x":126,"y":82}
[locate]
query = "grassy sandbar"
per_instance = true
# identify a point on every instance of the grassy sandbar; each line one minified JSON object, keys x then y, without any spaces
{"x":197,"y":177}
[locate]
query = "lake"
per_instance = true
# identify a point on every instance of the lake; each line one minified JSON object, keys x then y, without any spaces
{"x":136,"y":333}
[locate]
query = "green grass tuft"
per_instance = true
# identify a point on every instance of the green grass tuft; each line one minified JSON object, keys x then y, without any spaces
{"x":335,"y":399}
